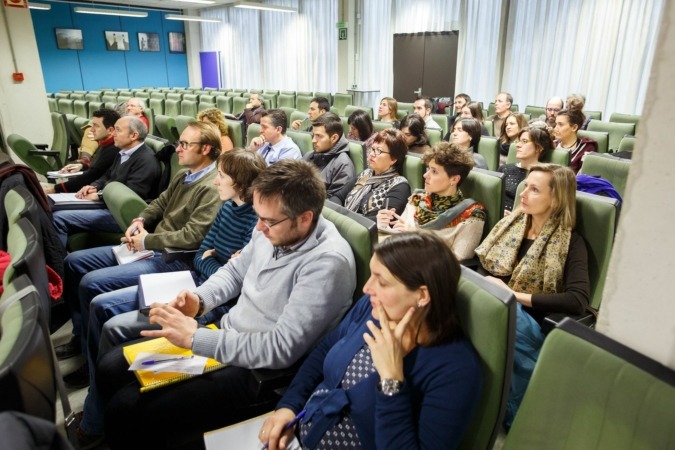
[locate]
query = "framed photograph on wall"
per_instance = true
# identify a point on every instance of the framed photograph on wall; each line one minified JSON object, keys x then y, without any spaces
{"x":148,"y":42}
{"x":117,"y":41}
{"x":176,"y":42}
{"x":69,"y":39}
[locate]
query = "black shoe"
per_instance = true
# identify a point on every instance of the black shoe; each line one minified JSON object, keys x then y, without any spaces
{"x":79,"y":378}
{"x":72,"y":348}
{"x":87,"y":441}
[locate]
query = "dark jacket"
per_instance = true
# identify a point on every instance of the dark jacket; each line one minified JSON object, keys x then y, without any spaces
{"x":335,"y":165}
{"x":140,"y":173}
{"x":103,"y":159}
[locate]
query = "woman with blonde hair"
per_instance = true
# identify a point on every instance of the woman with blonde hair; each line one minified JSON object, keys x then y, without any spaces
{"x":535,"y":253}
{"x":215,"y":116}
{"x":388,"y":110}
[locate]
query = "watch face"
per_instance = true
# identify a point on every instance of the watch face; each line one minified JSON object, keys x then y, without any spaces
{"x":390,"y":387}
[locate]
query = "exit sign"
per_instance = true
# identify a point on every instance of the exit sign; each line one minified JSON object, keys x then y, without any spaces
{"x":342,"y":34}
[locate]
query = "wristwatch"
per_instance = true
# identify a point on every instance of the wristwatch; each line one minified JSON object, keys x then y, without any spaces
{"x":200,"y":311}
{"x":389,"y":387}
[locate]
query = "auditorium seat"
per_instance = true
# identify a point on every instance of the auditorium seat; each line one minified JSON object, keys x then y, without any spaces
{"x":326,"y":95}
{"x":188,"y":108}
{"x":595,"y":115}
{"x":270,"y":100}
{"x":252,"y":131}
{"x":407,"y":108}
{"x":157,"y":105}
{"x":488,"y":147}
{"x":22,"y":149}
{"x":625,"y":118}
{"x":601,"y":137}
{"x":627,"y":144}
{"x":286,"y":101}
{"x":616,"y":131}
{"x":558,"y":156}
{"x":608,"y":167}
{"x":297,"y":115}
{"x":65,"y":106}
{"x":94,"y":106}
{"x":302,"y":102}
{"x":535,"y":111}
{"x":413,"y":171}
{"x":589,"y":391}
{"x":340,"y":103}
{"x":434,"y":136}
{"x":357,"y":153}
{"x":238,"y":105}
{"x":379,"y":125}
{"x":349,"y":109}
{"x":174,"y":96}
{"x":443,"y":121}
{"x":303,"y":139}
{"x":486,"y":187}
{"x":182,"y":123}
{"x":224,"y":104}
{"x":53,"y":105}
{"x":288,"y":112}
{"x":235,"y":129}
{"x":172,"y":107}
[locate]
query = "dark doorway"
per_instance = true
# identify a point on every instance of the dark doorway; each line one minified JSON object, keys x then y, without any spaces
{"x":425,"y":64}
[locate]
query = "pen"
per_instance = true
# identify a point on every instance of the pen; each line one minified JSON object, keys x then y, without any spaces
{"x":134,"y":230}
{"x":150,"y":362}
{"x":290,"y":424}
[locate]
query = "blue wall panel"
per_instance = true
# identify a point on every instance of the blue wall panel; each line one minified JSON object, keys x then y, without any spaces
{"x":95,"y":67}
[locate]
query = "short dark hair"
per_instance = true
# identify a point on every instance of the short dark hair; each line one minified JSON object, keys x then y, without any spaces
{"x":277,"y":117}
{"x":322,"y":103}
{"x":331,"y":122}
{"x":210,"y":135}
{"x":395,"y":141}
{"x":453,"y":159}
{"x":471,"y":126}
{"x":466,"y":97}
{"x":362,"y":122}
{"x":421,"y":258}
{"x":476,"y":111}
{"x":509,"y":97}
{"x":243,"y":166}
{"x":541,"y":138}
{"x":574,"y":117}
{"x":415,"y":125}
{"x":428,"y":103}
{"x":109,"y":116}
{"x":296,"y":183}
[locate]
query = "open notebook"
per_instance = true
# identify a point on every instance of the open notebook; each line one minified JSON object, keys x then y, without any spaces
{"x":242,"y":436}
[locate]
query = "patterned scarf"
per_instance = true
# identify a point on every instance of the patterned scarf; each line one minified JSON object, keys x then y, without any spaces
{"x":379,"y":185}
{"x":429,"y":206}
{"x":541,"y":269}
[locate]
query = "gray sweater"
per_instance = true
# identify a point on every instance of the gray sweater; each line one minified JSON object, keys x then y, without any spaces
{"x":285,"y":306}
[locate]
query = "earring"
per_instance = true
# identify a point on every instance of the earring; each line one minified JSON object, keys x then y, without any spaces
{"x":419,"y":305}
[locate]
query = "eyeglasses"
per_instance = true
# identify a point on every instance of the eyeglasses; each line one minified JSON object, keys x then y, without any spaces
{"x":377,"y":151}
{"x":272,"y":224}
{"x":553,"y":110}
{"x":186,"y":144}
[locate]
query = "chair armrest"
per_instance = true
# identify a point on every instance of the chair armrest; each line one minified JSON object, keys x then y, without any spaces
{"x":170,"y":254}
{"x":551,"y":321}
{"x":54,"y":153}
{"x":41,"y":146}
{"x":267,"y":380}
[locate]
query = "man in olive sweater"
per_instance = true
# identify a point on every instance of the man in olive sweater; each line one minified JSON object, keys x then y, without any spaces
{"x":179,"y":217}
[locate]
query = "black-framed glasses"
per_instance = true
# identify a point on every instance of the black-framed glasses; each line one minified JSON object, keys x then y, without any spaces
{"x":272,"y":224}
{"x":377,"y":151}
{"x":186,"y":144}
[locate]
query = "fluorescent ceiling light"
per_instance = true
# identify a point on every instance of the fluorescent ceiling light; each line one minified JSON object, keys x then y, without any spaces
{"x":110,"y":12}
{"x":40,"y":6}
{"x":204,"y":2}
{"x":190,"y":18}
{"x":265,"y":7}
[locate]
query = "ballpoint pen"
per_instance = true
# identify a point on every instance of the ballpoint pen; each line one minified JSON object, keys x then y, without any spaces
{"x":290,"y":424}
{"x":150,"y":362}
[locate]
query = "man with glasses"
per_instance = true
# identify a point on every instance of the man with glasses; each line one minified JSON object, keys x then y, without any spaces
{"x":180,"y":217}
{"x":295,"y":280}
{"x":553,"y":106}
{"x":331,"y":153}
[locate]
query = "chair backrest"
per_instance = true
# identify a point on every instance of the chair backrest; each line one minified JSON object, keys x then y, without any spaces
{"x":491,"y":108}
{"x":601,"y":137}
{"x":349,"y":109}
{"x":60,"y":140}
{"x":270,"y":100}
{"x":27,"y":367}
{"x":340,"y":102}
{"x":360,"y":233}
{"x":407,"y":108}
{"x":443,"y":121}
{"x":93,"y":96}
{"x":188,"y":108}
{"x":326,"y":95}
{"x":123,"y":203}
{"x":288,"y":111}
{"x":158,"y":95}
{"x":591,"y":392}
{"x":155,"y":143}
{"x":81,"y":108}
{"x":611,"y":168}
{"x":65,"y":105}
{"x":595,"y":115}
{"x":535,"y":111}
{"x":157,"y":105}
{"x":625,"y":118}
{"x":94,"y":106}
{"x":239,"y":105}
{"x":235,"y":129}
{"x":488,"y":147}
{"x":252,"y":131}
{"x":224,"y":103}
{"x":478,"y":303}
{"x":489,"y":126}
{"x":182,"y":122}
{"x":487,"y":187}
{"x":53,"y":105}
{"x":286,"y":101}
{"x":166,"y":127}
{"x":302,"y":102}
{"x":357,"y":153}
{"x":172,"y":107}
{"x":379,"y":125}
{"x":616,"y":131}
{"x":22,"y":147}
{"x":297,"y":115}
{"x":303,"y":139}
{"x":149,"y":114}
{"x":413,"y":171}
{"x":434,"y":136}
{"x":627,"y":144}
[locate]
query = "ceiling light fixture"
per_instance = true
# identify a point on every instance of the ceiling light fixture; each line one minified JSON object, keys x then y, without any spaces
{"x":40,"y":6}
{"x":265,"y":7}
{"x":110,"y":12}
{"x":190,"y":18}
{"x":203,"y":2}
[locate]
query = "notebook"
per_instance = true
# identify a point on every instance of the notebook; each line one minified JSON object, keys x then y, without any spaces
{"x":242,"y":436}
{"x":67,"y":201}
{"x":150,"y":380}
{"x":162,"y":287}
{"x":124,"y":256}
{"x":57,"y":174}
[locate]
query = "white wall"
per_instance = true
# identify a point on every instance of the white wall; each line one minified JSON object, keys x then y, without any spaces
{"x":638,"y":303}
{"x":23,"y":106}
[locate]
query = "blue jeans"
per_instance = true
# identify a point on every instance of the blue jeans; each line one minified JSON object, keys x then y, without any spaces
{"x":77,"y":220}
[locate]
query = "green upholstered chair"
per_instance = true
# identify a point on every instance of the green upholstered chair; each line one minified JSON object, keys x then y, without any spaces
{"x":616,"y":131}
{"x":158,"y":95}
{"x":27,"y":368}
{"x":53,"y":105}
{"x":95,"y":106}
{"x":601,"y":137}
{"x":303,"y":139}
{"x":109,"y":97}
{"x":270,"y":100}
{"x":288,"y":112}
{"x":379,"y":125}
{"x":271,"y":91}
{"x":208,"y":98}
{"x":172,"y":107}
{"x":149,"y":114}
{"x":174,"y":96}
{"x":625,"y":118}
{"x":413,"y":171}
{"x":235,"y":129}
{"x":182,"y":123}
{"x":166,"y":127}
{"x":487,"y":187}
{"x":234,"y":93}
{"x":302,"y":102}
{"x":65,"y":105}
{"x":156,"y":143}
{"x":252,"y":131}
{"x":535,"y":111}
{"x":299,"y":115}
{"x":327,"y":95}
{"x":286,"y":101}
{"x":478,"y":303}
{"x":611,"y":168}
{"x":491,"y":109}
{"x":224,"y":103}
{"x":239,"y":105}
{"x":361,"y":234}
{"x":22,"y":148}
{"x":443,"y":121}
{"x":489,"y":126}
{"x":157,"y":105}
{"x":349,"y":109}
{"x":590,"y":392}
{"x":407,"y":108}
{"x":188,"y":108}
{"x":191,"y":97}
{"x":305,"y":93}
{"x":93,"y":96}
{"x":595,"y":115}
{"x":340,"y":103}
{"x":434,"y":136}
{"x":488,"y":147}
{"x":627,"y":144}
{"x":287,"y":92}
{"x":357,"y":153}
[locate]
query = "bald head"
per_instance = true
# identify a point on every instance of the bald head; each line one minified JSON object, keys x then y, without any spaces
{"x":553,"y":106}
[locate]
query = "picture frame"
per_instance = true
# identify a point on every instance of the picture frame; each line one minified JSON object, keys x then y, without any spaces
{"x":148,"y":42}
{"x":69,"y":38}
{"x":176,"y":42}
{"x":117,"y":41}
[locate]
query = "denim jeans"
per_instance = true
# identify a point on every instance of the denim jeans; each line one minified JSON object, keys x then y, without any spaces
{"x":74,"y":221}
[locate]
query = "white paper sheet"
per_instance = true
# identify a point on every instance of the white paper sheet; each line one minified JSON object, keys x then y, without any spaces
{"x":193,"y":365}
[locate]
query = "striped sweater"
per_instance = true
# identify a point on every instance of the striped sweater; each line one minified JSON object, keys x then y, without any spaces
{"x":229,"y":233}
